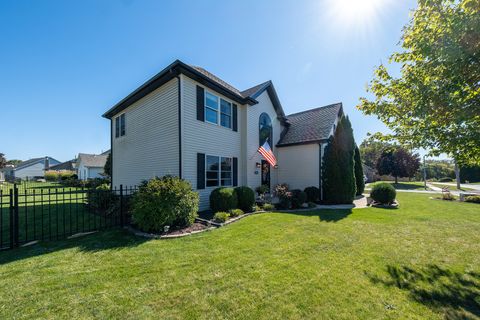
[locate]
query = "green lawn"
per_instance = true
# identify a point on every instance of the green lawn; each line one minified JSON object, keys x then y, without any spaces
{"x":414,"y":185}
{"x":420,"y":261}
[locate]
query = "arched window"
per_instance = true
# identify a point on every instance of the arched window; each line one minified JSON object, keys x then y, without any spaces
{"x":265,"y":130}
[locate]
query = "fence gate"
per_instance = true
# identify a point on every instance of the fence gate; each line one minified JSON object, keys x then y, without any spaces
{"x":30,"y":214}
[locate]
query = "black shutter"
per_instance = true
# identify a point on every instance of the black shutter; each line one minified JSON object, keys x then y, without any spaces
{"x":200,"y":103}
{"x":235,"y":172}
{"x":235,"y":118}
{"x":200,"y":171}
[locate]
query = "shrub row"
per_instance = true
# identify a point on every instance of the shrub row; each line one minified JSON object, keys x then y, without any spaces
{"x":225,"y":199}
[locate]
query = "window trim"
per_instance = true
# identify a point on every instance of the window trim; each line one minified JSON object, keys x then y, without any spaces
{"x":218,"y":111}
{"x":119,"y":131}
{"x":219,"y":172}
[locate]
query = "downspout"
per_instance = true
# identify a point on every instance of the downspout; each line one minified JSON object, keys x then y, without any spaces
{"x":320,"y":182}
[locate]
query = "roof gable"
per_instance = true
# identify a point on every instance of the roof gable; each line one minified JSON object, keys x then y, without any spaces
{"x":34,"y":161}
{"x":310,"y":126}
{"x":92,"y":160}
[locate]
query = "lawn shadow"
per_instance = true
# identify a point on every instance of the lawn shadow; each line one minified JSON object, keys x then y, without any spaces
{"x":326,"y":215}
{"x":113,"y":239}
{"x":453,"y":293}
{"x":406,"y":186}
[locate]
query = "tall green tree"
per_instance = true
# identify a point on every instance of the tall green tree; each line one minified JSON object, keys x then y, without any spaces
{"x":372,"y":148}
{"x":3,"y":161}
{"x":338,"y":174}
{"x":359,"y":177}
{"x":435,"y":101}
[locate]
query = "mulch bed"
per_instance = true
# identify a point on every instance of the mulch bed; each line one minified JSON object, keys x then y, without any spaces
{"x":196,"y":226}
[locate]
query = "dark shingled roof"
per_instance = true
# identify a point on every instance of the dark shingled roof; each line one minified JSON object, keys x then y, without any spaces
{"x":216,"y":79}
{"x":310,"y":126}
{"x":67,"y":165}
{"x":252,"y":92}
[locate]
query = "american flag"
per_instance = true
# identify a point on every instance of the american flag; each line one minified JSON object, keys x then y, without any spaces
{"x":267,"y":154}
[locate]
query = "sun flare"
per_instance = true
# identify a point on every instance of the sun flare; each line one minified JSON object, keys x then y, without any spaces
{"x":356,"y":13}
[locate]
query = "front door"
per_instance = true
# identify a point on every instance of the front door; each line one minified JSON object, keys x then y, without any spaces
{"x":265,"y":173}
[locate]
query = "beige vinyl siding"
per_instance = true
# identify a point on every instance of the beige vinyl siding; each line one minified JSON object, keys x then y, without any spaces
{"x":252,"y":133}
{"x":299,"y":166}
{"x":204,"y":137}
{"x":151,"y":145}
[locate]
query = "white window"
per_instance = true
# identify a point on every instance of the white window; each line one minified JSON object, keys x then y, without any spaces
{"x":120,"y":127}
{"x":218,"y":171}
{"x":217,"y":110}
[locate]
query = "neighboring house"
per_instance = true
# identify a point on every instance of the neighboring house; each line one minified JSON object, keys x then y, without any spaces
{"x":31,"y":169}
{"x":187,"y":122}
{"x":90,"y":166}
{"x":69,"y":165}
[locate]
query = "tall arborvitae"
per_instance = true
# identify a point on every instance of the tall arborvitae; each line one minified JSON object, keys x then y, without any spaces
{"x":338,"y":176}
{"x":359,"y":178}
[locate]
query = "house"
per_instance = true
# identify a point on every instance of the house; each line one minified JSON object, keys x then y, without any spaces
{"x":187,"y":122}
{"x":69,"y":165}
{"x":31,"y":169}
{"x":90,"y":166}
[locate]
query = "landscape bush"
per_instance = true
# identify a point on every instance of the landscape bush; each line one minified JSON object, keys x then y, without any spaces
{"x":261,"y":190}
{"x":445,"y":179}
{"x":298,"y":198}
{"x":383,"y":193}
{"x":313,"y":194}
{"x":101,"y":198}
{"x":312,"y":205}
{"x":235,"y":213}
{"x":284,"y":196}
{"x":268,"y":207}
{"x":221,"y":217}
{"x":246,"y":198}
{"x":448,"y":196}
{"x":51,"y":176}
{"x":473,"y":199}
{"x":223,"y":199}
{"x":167,"y":201}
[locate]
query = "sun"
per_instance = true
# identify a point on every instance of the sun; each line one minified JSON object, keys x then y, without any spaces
{"x":356,"y":13}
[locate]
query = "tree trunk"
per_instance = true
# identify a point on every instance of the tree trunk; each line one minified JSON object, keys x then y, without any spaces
{"x":396,"y":180}
{"x":457,"y":175}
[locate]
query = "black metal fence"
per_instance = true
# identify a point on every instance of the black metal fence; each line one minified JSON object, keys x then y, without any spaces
{"x":31,"y":214}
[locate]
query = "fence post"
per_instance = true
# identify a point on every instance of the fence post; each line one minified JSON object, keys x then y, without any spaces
{"x":122,"y":220}
{"x":12,"y":230}
{"x":15,"y":216}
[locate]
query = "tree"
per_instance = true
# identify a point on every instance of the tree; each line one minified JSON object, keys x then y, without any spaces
{"x":435,"y":102}
{"x":107,"y":169}
{"x":3,"y":161}
{"x":338,"y":175}
{"x":359,"y":178}
{"x":398,"y":163}
{"x":371,"y":149}
{"x":14,"y":162}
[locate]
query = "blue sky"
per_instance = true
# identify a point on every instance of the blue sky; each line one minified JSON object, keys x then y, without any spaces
{"x":64,"y":63}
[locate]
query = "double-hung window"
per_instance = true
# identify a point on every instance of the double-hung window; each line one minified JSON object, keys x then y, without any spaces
{"x":217,"y":110}
{"x":120,"y":129}
{"x":218,"y":171}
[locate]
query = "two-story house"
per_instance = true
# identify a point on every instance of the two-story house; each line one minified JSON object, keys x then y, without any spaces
{"x":187,"y":122}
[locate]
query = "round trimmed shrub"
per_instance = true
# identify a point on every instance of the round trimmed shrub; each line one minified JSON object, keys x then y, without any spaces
{"x":223,"y":199}
{"x":446,"y":179}
{"x":235,"y":212}
{"x":298,"y":198}
{"x":313,"y":194}
{"x":221,"y":217}
{"x":246,"y":198}
{"x":268,"y":207}
{"x":383,"y":193}
{"x":167,"y":201}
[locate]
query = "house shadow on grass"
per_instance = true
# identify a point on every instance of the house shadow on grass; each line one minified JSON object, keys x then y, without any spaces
{"x":326,"y":215}
{"x":113,"y":239}
{"x":455,"y":294}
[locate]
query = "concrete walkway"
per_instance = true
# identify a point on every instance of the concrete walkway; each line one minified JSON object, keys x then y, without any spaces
{"x":358,"y":203}
{"x":463,"y":185}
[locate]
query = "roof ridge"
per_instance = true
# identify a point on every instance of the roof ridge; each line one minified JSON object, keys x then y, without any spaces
{"x":315,"y":109}
{"x":255,"y":88}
